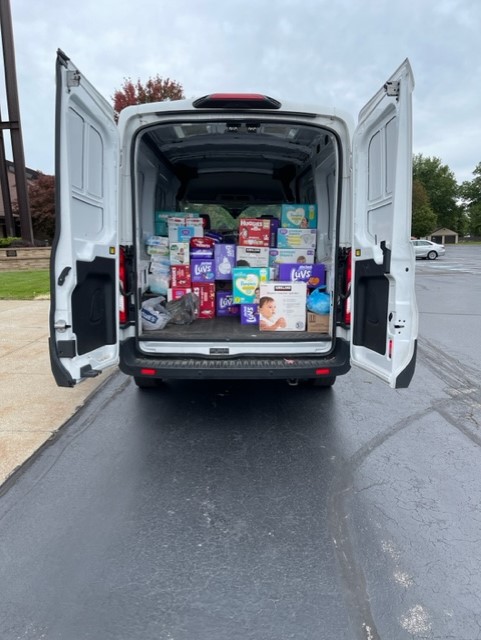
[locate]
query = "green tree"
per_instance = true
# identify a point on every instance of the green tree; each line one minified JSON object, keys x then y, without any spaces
{"x":424,"y":220}
{"x":470,"y":192}
{"x":156,"y":89}
{"x":442,"y":189}
{"x":41,"y":195}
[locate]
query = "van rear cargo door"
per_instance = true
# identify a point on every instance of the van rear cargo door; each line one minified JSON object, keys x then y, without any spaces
{"x":84,"y":264}
{"x":384,"y":311}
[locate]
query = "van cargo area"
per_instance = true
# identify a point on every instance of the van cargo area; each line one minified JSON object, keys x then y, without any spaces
{"x":263,"y":196}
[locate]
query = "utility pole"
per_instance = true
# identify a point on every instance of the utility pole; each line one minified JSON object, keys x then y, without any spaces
{"x":13,"y":124}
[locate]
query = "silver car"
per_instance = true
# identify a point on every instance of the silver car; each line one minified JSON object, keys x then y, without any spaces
{"x":428,"y":249}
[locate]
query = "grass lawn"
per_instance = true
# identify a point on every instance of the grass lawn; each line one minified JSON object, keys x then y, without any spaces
{"x":24,"y":285}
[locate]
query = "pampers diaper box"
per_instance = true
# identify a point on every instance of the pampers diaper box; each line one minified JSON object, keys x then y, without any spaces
{"x":246,"y":283}
{"x":282,"y":306}
{"x":296,"y":238}
{"x":302,"y":256}
{"x":299,"y":216}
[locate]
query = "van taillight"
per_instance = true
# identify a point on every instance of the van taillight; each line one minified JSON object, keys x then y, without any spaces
{"x":123,"y":287}
{"x":236,"y":101}
{"x":347,"y":284}
{"x":148,"y":372}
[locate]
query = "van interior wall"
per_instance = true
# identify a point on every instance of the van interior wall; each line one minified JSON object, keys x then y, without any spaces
{"x":155,"y":188}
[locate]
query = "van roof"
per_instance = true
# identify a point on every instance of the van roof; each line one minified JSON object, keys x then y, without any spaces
{"x":286,"y":108}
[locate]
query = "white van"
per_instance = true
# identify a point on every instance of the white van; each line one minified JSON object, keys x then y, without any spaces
{"x":240,"y":156}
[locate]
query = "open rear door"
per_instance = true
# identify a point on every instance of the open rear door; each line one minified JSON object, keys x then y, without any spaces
{"x":84,"y":263}
{"x":384,"y":310}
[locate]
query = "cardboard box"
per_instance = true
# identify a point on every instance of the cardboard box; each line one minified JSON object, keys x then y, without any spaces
{"x":202,"y":270}
{"x":224,"y":304}
{"x":183,"y":229}
{"x":249,"y":314}
{"x":205,"y":291}
{"x":282,"y":306}
{"x":280,"y":256}
{"x":180,"y":275}
{"x":161,"y":221}
{"x":296,"y":238}
{"x":312,"y":274}
{"x":246,"y":283}
{"x":224,"y":259}
{"x":252,"y":256}
{"x":179,"y":253}
{"x":318,"y":323}
{"x":299,"y":216}
{"x":254,"y":232}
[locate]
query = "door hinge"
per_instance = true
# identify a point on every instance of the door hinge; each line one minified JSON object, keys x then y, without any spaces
{"x":73,"y":79}
{"x":61,"y":326}
{"x":392,"y":88}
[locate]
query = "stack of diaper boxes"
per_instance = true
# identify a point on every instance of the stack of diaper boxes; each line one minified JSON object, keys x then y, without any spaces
{"x":273,"y":262}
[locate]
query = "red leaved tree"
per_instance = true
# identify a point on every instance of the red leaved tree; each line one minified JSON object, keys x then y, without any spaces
{"x":155,"y":89}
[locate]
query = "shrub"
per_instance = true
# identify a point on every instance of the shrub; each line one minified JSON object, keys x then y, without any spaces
{"x":7,"y":242}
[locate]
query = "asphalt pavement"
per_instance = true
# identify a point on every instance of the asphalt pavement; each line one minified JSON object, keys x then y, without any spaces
{"x":32,"y":406}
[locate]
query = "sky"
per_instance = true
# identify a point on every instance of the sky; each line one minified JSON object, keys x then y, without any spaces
{"x":327,"y":52}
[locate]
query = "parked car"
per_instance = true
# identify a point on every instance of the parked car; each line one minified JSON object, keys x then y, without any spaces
{"x":428,"y":249}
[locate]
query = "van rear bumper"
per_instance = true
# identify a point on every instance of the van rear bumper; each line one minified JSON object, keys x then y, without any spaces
{"x":132,"y":362}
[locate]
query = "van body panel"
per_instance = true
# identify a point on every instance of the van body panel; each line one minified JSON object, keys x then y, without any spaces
{"x":172,"y":156}
{"x":84,"y":263}
{"x":384,"y":306}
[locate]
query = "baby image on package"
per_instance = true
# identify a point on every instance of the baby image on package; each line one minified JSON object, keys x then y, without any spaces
{"x":282,"y":306}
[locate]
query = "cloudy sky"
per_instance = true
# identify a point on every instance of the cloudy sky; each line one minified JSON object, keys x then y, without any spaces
{"x":334,"y":52}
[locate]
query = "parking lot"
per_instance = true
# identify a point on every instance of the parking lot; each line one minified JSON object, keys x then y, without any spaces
{"x":240,"y":510}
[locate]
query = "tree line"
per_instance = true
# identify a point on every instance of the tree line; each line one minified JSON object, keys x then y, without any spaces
{"x":438,"y":201}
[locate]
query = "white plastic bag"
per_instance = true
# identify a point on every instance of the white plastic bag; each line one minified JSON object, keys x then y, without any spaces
{"x":154,"y":314}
